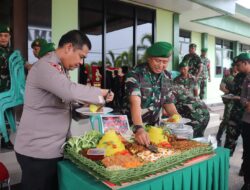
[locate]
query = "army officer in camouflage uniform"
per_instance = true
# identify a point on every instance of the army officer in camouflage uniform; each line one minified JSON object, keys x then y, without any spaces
{"x":46,"y":117}
{"x":40,"y":48}
{"x":5,"y":52}
{"x":233,"y":130}
{"x":205,"y":74}
{"x":243,"y":64}
{"x":226,"y":81}
{"x":194,"y":62}
{"x":187,"y":102}
{"x":148,"y":89}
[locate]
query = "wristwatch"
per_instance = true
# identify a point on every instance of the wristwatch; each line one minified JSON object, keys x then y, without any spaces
{"x":136,"y":128}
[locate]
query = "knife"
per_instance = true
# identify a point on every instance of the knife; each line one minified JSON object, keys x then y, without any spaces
{"x":152,"y":148}
{"x":99,"y":109}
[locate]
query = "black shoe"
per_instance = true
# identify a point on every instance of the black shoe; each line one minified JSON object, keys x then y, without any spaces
{"x":246,"y":186}
{"x":7,"y":145}
{"x":241,"y":172}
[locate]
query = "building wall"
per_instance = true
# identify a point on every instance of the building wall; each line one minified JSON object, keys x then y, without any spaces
{"x":196,"y":38}
{"x":64,"y":18}
{"x":213,"y":92}
{"x":164,"y":27}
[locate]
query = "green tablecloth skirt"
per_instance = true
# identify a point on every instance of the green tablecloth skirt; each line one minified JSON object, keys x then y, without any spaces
{"x":209,"y":174}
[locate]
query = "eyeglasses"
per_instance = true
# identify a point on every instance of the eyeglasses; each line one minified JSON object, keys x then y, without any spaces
{"x":160,"y":60}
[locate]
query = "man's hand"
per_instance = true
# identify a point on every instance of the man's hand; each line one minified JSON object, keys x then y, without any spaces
{"x":141,"y":136}
{"x":109,"y":96}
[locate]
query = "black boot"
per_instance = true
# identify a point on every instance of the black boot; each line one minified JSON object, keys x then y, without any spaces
{"x":246,"y":186}
{"x":241,"y":172}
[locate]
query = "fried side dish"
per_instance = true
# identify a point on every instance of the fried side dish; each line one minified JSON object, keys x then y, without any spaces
{"x":186,"y":145}
{"x":124,"y":161}
{"x":134,"y":148}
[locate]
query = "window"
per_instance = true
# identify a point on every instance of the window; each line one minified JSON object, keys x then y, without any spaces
{"x":144,"y":33}
{"x":223,"y":55}
{"x":117,"y":31}
{"x":119,"y":36}
{"x":39,"y":23}
{"x":184,"y":40}
{"x":244,"y":48}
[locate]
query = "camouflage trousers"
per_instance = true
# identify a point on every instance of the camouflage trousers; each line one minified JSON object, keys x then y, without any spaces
{"x":233,"y":130}
{"x":224,"y":123}
{"x":198,"y":112}
{"x":202,"y":85}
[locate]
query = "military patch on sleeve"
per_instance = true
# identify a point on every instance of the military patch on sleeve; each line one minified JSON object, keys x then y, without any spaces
{"x":57,"y":66}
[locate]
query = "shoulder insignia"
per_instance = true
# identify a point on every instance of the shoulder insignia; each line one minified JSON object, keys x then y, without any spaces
{"x":57,"y":66}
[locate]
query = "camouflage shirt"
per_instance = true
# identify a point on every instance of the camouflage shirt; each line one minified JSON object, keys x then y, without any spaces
{"x":4,"y":69}
{"x":194,"y":62}
{"x":227,"y":80}
{"x":205,"y":65}
{"x":188,"y":85}
{"x":245,"y":97}
{"x":235,"y":88}
{"x":154,"y":91}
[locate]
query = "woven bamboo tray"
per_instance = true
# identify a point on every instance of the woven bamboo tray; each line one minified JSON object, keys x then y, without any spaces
{"x":119,"y":176}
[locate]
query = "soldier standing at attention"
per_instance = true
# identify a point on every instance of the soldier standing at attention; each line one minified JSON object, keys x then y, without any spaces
{"x":148,"y":89}
{"x":243,"y":64}
{"x":187,"y":102}
{"x":226,"y":81}
{"x":205,"y":74}
{"x":194,"y":62}
{"x":46,"y":117}
{"x":5,"y":52}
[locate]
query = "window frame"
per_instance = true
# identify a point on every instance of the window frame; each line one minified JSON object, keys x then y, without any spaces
{"x":185,"y":34}
{"x":222,"y":49}
{"x":136,"y":9}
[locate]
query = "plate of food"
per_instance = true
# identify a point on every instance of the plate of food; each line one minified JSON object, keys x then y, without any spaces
{"x":94,"y":109}
{"x":175,"y":119}
{"x":230,"y":96}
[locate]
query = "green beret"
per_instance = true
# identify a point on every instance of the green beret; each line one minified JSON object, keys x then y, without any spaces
{"x":192,"y":45}
{"x":4,"y":29}
{"x":242,"y":57}
{"x":183,"y":64}
{"x":204,"y":50}
{"x":45,"y":48}
{"x":160,"y":49}
{"x":38,"y":42}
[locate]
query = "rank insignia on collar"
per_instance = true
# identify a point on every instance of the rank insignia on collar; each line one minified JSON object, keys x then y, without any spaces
{"x":57,"y":66}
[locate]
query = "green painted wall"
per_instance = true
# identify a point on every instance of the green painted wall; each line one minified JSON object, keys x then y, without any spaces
{"x":213,"y":92}
{"x":196,"y":38}
{"x":164,"y":27}
{"x":64,"y":18}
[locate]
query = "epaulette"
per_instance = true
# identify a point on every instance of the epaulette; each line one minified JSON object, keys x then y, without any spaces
{"x":57,"y":66}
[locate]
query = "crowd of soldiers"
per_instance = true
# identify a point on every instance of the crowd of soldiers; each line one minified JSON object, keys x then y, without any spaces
{"x":149,"y":88}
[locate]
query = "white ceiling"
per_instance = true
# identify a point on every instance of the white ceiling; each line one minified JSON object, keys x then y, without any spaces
{"x":191,"y":11}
